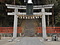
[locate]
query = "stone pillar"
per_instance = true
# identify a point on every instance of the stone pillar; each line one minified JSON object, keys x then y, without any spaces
{"x":43,"y":24}
{"x":15,"y":23}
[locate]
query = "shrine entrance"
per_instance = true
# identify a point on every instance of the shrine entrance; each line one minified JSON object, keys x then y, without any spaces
{"x":29,"y":27}
{"x":42,"y":13}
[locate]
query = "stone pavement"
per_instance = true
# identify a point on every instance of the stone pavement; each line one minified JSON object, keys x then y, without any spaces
{"x":52,"y":43}
{"x":4,"y":41}
{"x":29,"y":41}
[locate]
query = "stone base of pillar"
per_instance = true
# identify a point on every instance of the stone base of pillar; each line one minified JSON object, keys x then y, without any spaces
{"x":20,"y":35}
{"x":43,"y":40}
{"x":12,"y":39}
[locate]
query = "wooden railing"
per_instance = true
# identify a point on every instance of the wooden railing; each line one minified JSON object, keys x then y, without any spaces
{"x":39,"y":29}
{"x":9,"y":30}
{"x":49,"y":29}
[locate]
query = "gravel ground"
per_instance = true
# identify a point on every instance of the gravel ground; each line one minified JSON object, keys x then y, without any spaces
{"x":29,"y":41}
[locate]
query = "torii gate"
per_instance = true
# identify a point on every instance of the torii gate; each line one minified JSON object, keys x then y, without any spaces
{"x":43,"y":13}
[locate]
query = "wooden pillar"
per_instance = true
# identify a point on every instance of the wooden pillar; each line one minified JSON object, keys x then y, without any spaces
{"x":53,"y":17}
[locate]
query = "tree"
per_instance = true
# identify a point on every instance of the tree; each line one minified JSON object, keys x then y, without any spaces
{"x":57,"y":14}
{"x":18,"y":2}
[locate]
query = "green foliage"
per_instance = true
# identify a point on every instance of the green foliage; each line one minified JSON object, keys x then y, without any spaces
{"x":17,"y":2}
{"x":57,"y":20}
{"x":57,"y":14}
{"x":8,"y":1}
{"x":56,"y":10}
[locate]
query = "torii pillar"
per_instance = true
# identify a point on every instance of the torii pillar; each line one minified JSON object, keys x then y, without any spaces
{"x":15,"y":19}
{"x":15,"y":23}
{"x":43,"y":24}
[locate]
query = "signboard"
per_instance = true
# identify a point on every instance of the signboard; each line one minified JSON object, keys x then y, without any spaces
{"x":29,"y":10}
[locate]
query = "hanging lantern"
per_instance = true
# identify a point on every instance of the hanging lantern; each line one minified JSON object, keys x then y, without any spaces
{"x":29,"y":8}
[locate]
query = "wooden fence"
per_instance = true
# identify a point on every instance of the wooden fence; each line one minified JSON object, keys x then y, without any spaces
{"x":49,"y":29}
{"x":39,"y":29}
{"x":9,"y":30}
